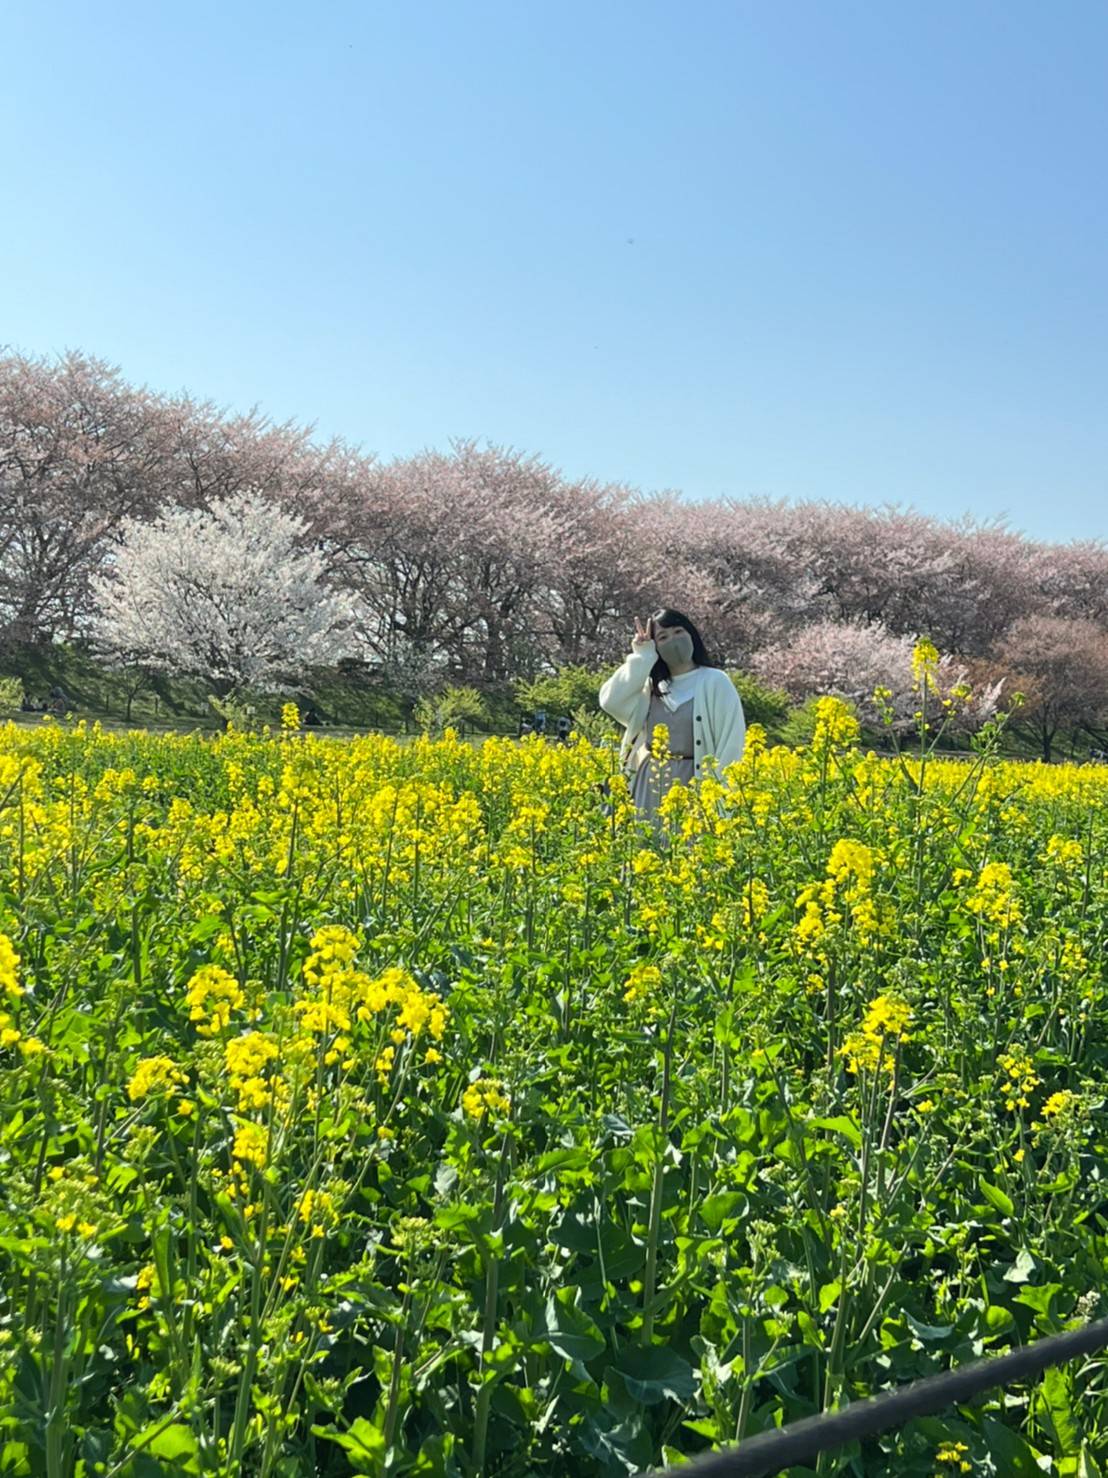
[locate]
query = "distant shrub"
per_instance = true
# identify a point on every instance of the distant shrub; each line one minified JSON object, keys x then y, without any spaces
{"x":761,"y":704}
{"x":11,"y":694}
{"x":800,"y":725}
{"x":560,"y":692}
{"x":571,"y":692}
{"x":450,"y":709}
{"x":235,"y":713}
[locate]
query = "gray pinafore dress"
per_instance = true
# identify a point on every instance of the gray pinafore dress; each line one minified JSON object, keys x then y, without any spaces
{"x":652,"y":780}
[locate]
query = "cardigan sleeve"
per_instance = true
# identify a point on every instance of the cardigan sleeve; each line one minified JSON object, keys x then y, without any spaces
{"x":619,"y":693}
{"x":728,"y":722}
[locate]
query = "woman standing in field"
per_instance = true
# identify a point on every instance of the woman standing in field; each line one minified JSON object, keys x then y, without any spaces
{"x":669,"y":679}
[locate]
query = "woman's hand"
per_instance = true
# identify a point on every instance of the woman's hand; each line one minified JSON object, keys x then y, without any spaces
{"x":643,"y":634}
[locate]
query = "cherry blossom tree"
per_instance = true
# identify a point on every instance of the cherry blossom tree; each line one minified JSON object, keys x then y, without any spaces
{"x":889,"y":564}
{"x":395,"y":547}
{"x":80,"y":451}
{"x":850,"y":659}
{"x":451,"y":556}
{"x":216,"y":453}
{"x":228,"y":593}
{"x":594,"y":579}
{"x":1072,"y":579}
{"x":1061,"y":667}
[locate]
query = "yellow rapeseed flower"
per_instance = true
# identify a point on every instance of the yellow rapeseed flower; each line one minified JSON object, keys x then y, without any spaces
{"x":484,"y":1096}
{"x":211,"y":995}
{"x":9,"y":969}
{"x":154,"y":1075}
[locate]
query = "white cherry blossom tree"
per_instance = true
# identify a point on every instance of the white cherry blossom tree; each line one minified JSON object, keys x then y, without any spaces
{"x":230,"y":593}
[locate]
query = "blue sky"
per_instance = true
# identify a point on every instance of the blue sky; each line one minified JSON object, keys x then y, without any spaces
{"x":800,"y":248}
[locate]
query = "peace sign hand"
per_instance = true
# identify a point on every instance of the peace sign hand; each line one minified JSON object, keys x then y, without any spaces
{"x":643,"y":634}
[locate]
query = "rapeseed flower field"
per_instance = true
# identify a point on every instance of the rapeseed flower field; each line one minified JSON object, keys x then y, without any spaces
{"x":380,"y":1108}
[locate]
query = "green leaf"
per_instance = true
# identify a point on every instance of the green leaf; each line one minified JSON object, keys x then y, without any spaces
{"x":927,"y":1332}
{"x":998,"y":1318}
{"x":173,"y":1442}
{"x":1054,"y":1396}
{"x":574,"y":1232}
{"x":809,"y":1329}
{"x":1064,"y":1181}
{"x":1014,"y":1457}
{"x":717,"y":1209}
{"x":569,"y":1330}
{"x":14,"y":1460}
{"x":205,"y":927}
{"x":434,"y":1454}
{"x":829,"y":1294}
{"x":1039,"y":1297}
{"x":997,"y":1198}
{"x":655,"y":1373}
{"x":363,"y":1443}
{"x":841,"y":1125}
{"x":616,"y":1444}
{"x":1087,"y":1466}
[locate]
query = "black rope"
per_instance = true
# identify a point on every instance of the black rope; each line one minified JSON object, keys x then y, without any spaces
{"x":772,"y":1452}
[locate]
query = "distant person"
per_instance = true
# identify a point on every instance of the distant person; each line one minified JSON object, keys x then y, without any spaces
{"x":669,"y":679}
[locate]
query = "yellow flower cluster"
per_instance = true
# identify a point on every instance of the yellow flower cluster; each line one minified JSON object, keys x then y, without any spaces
{"x":643,"y":983}
{"x":659,"y":743}
{"x":754,"y":902}
{"x":337,"y":997}
{"x":1073,"y":962}
{"x":146,"y":1283}
{"x":155,"y":1075}
{"x":953,"y":1455}
{"x":485,"y":1096}
{"x":74,"y":1200}
{"x":835,"y":724}
{"x":317,"y":1209}
{"x":1067,"y":852}
{"x":851,"y":861}
{"x":247,"y":1059}
{"x":1061,"y":1103}
{"x":993,"y":897}
{"x":817,"y":901}
{"x":12,"y":987}
{"x":850,"y":872}
{"x":1020,"y":1078}
{"x":884,"y":1027}
{"x":211,"y":995}
{"x":1062,"y":1112}
{"x":851,"y":866}
{"x":11,"y":1036}
{"x":925,"y":660}
{"x":251,"y":1146}
{"x":9,"y":969}
{"x":334,"y":948}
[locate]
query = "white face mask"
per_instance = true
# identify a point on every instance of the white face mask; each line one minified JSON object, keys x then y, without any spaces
{"x":677,"y":648}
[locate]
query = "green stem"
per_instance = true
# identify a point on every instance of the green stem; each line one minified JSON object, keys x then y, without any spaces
{"x":655,"y":1225}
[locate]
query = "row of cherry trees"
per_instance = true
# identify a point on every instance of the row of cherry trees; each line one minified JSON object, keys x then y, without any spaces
{"x":480,"y":565}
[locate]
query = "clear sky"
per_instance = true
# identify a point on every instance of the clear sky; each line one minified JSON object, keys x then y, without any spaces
{"x":802,"y":248}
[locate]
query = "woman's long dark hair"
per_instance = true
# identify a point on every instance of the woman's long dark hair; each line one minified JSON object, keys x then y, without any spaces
{"x":668,"y":617}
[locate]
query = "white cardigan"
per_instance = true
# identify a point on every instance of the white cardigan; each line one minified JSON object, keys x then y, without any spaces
{"x":719,"y":724}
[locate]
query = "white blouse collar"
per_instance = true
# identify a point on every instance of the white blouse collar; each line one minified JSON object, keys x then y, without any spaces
{"x":679,"y":684}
